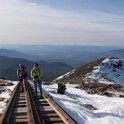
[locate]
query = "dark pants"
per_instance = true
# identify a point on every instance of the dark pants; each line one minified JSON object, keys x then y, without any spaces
{"x":21,"y":78}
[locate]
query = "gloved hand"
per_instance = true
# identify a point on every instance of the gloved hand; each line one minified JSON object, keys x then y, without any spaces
{"x":35,"y":77}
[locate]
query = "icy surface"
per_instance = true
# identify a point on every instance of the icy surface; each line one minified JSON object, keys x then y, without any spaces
{"x":110,"y":110}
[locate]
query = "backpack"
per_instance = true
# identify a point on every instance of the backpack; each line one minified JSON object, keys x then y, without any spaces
{"x":22,"y":72}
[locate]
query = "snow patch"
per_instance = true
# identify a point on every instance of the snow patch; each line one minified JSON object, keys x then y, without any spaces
{"x":109,"y":71}
{"x":63,"y":76}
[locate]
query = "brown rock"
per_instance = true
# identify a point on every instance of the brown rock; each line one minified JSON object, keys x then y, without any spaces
{"x":88,"y":106}
{"x":1,"y":98}
{"x":2,"y":90}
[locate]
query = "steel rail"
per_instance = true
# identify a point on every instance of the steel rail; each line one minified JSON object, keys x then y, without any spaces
{"x":29,"y":109}
{"x":34,"y":105}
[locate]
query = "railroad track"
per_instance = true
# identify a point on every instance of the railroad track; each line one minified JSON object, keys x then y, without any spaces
{"x":25,"y":108}
{"x":20,"y":108}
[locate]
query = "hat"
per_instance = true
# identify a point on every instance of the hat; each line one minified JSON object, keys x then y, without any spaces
{"x":20,"y":65}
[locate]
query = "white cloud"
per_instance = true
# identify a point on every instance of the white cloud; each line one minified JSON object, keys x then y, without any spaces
{"x":25,"y":22}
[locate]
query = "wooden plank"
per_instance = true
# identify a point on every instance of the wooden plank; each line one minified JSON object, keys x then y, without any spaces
{"x":50,"y":114}
{"x":21,"y":101}
{"x":48,"y":111}
{"x":54,"y":118}
{"x":20,"y":114}
{"x":19,"y":117}
{"x":20,"y":105}
{"x":42,"y":100}
{"x":19,"y":120}
{"x":43,"y":104}
{"x":20,"y":111}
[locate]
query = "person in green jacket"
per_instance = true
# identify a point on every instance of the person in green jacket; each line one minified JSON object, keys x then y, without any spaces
{"x":36,"y":75}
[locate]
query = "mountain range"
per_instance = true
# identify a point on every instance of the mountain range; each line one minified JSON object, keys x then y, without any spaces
{"x":16,"y":54}
{"x":75,"y":56}
{"x":8,"y":68}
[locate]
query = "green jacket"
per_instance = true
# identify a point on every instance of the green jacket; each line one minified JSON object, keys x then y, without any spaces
{"x":36,"y":73}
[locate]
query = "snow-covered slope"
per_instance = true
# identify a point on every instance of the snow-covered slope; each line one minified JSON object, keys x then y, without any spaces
{"x":109,"y":110}
{"x":104,"y":109}
{"x":109,"y":70}
{"x":63,"y":76}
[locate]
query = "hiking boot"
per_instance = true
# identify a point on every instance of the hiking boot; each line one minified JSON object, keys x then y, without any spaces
{"x":41,"y":97}
{"x":35,"y":94}
{"x":22,"y":90}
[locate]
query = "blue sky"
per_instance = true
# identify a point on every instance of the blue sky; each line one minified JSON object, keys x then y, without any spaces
{"x":81,"y":22}
{"x":85,"y":5}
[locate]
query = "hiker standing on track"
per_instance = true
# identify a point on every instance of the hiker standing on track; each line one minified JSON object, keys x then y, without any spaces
{"x":22,"y":75}
{"x":36,"y":74}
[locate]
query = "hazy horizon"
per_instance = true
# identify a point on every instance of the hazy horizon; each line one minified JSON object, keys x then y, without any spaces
{"x":80,"y":45}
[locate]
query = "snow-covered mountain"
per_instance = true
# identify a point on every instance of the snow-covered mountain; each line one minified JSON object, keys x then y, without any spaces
{"x":107,"y":70}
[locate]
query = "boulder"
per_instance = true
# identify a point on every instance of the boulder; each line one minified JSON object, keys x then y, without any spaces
{"x":122,"y":96}
{"x":61,"y":88}
{"x":88,"y":106}
{"x":5,"y":83}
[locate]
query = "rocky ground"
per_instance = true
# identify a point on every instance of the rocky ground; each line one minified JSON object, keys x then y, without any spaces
{"x":93,"y":86}
{"x":6,"y":83}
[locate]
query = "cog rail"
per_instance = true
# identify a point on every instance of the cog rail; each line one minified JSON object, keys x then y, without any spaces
{"x":25,"y":108}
